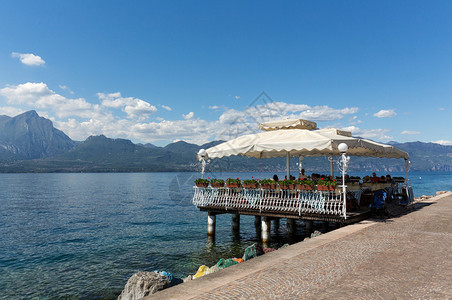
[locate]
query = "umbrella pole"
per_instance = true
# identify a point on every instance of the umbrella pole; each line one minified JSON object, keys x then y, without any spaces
{"x":332,"y":166}
{"x":288,"y":166}
{"x":407,"y":165}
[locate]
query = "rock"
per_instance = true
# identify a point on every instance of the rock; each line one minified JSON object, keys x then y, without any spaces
{"x":142,"y":284}
{"x":189,"y":277}
{"x":440,"y":193}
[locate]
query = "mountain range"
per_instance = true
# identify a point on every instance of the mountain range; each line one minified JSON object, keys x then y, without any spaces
{"x":30,"y":143}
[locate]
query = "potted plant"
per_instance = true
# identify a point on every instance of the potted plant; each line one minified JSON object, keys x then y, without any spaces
{"x":233,"y":183}
{"x":200,"y":182}
{"x":322,"y":185}
{"x":331,"y":185}
{"x":217,"y":183}
{"x":287,"y":184}
{"x":305,"y":184}
{"x":267,"y":184}
{"x":250,"y":183}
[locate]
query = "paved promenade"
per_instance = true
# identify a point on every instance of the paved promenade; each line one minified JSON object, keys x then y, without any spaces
{"x":405,"y":257}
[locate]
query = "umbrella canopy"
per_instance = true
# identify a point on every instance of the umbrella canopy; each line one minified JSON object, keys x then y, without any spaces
{"x":288,"y":124}
{"x":302,"y":142}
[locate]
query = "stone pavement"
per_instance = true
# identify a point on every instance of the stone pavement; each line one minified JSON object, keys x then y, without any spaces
{"x":405,"y":257}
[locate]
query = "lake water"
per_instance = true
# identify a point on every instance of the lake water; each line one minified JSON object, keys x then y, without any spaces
{"x":83,"y":235}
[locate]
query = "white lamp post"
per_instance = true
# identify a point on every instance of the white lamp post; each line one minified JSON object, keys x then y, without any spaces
{"x":202,"y":154}
{"x":343,"y":165}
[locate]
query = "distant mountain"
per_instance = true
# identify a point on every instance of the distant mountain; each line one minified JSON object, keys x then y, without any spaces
{"x":29,"y":143}
{"x":428,"y":156}
{"x":29,"y":136}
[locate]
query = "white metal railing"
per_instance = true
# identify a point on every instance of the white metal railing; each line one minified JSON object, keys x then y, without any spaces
{"x":271,"y":200}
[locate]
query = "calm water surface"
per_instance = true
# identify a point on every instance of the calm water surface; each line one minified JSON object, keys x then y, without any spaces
{"x":84,"y":235}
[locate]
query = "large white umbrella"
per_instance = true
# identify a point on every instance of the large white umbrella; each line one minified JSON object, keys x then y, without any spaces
{"x":300,"y":138}
{"x":302,"y":142}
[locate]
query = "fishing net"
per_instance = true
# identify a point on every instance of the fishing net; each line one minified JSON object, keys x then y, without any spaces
{"x":253,"y":251}
{"x":225,"y":263}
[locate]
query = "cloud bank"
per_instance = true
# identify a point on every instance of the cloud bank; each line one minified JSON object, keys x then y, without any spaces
{"x":120,"y":116}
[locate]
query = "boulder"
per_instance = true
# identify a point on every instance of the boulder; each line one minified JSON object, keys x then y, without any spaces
{"x":142,"y":284}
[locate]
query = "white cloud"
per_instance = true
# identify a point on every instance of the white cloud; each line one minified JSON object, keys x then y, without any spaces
{"x":410,"y":132}
{"x":80,"y":119}
{"x":66,"y":88}
{"x":442,"y":108}
{"x":385,"y":113}
{"x":10,"y":111}
{"x":39,"y":96}
{"x":166,"y":107}
{"x":216,"y":107}
{"x":375,"y":134}
{"x":134,"y":108}
{"x":28,"y":59}
{"x":278,"y":110}
{"x":237,"y":97}
{"x":325,"y":113}
{"x":444,"y":142}
{"x":190,"y":115}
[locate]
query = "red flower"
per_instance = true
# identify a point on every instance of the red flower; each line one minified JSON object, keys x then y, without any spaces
{"x":208,"y":177}
{"x":251,"y":176}
{"x":321,"y":178}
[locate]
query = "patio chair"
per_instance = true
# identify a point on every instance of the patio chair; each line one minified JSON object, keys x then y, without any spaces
{"x":378,"y":205}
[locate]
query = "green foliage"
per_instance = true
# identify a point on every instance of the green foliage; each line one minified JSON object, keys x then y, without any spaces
{"x":232,"y":181}
{"x":250,"y":181}
{"x":267,"y":181}
{"x":306,"y":182}
{"x":326,"y":182}
{"x":287,"y":182}
{"x":216,"y":181}
{"x":201,"y":180}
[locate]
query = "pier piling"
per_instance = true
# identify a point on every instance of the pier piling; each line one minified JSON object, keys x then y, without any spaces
{"x":257,"y":223}
{"x":309,"y":225}
{"x":211,"y":220}
{"x":235,"y":223}
{"x":276,"y":224}
{"x":291,"y":226}
{"x":266,"y":226}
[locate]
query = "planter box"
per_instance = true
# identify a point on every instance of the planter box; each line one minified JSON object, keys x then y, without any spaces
{"x":233,"y":185}
{"x":202,"y":184}
{"x":250,"y":185}
{"x":322,"y":188}
{"x":268,"y":186}
{"x":217,"y":185}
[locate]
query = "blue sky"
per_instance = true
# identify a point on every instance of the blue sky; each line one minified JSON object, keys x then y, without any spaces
{"x":161,"y":71}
